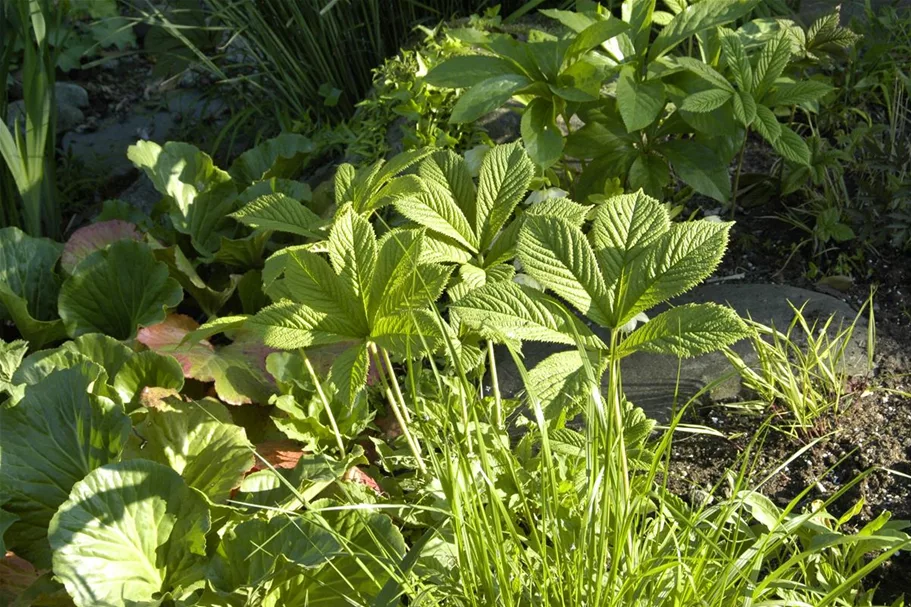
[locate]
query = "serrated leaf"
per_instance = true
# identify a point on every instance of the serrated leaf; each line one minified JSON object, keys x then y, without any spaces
{"x":737,"y":60}
{"x":198,"y":441}
{"x":623,"y":229}
{"x":311,"y":280}
{"x":797,"y":93}
{"x":280,"y":213}
{"x":766,"y":124}
{"x":706,"y":101}
{"x":353,"y":252}
{"x":487,"y":96}
{"x":540,"y":133}
{"x":119,"y":501}
{"x":349,"y":372}
{"x":287,"y":326}
{"x":696,"y":18}
{"x":558,"y":383}
{"x":505,"y":174}
{"x":55,"y":435}
{"x":436,"y":209}
{"x":408,"y":332}
{"x":685,"y":331}
{"x":447,"y":168}
{"x":706,"y":72}
{"x":507,"y":312}
{"x":640,"y":103}
{"x":558,"y":256}
{"x":792,"y":147}
{"x":773,"y":60}
{"x":117,"y":290}
{"x":744,"y":108}
{"x":571,"y":211}
{"x":467,"y":70}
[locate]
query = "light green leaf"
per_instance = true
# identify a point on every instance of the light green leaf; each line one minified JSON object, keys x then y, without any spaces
{"x":55,"y":435}
{"x":251,"y":551}
{"x":744,"y":108}
{"x":792,"y":147}
{"x":696,"y":18}
{"x":706,"y":101}
{"x":436,"y":209}
{"x":130,"y":533}
{"x":766,"y":124}
{"x":407,"y":332}
{"x":797,"y":93}
{"x":592,"y":36}
{"x":448,"y":169}
{"x":288,"y":326}
{"x":27,"y":269}
{"x":467,"y":70}
{"x":706,"y":72}
{"x":688,"y":330}
{"x":542,"y":137}
{"x":280,"y":213}
{"x":11,"y":355}
{"x":284,"y":156}
{"x":311,"y":280}
{"x":573,"y":212}
{"x":487,"y":96}
{"x":773,"y":60}
{"x":505,"y":174}
{"x":199,"y":441}
{"x":114,"y":291}
{"x":558,"y":256}
{"x":506,"y":312}
{"x":640,"y":103}
{"x":700,"y":167}
{"x":622,"y":230}
{"x":352,"y":251}
{"x":146,"y":370}
{"x":349,"y":372}
{"x":558,"y":382}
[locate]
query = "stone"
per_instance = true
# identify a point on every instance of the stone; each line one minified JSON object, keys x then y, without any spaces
{"x":503,"y":125}
{"x":69,"y":98}
{"x":141,"y":194}
{"x":68,"y":93}
{"x":651,"y":381}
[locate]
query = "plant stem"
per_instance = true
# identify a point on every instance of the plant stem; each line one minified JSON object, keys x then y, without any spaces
{"x":396,"y":409}
{"x":326,"y":403}
{"x":495,"y":382}
{"x":743,"y":150}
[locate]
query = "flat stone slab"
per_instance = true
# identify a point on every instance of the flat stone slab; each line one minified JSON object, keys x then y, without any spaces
{"x":656,"y":383}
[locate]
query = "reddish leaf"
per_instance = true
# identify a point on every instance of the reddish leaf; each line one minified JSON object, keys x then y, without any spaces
{"x":91,"y":238}
{"x":279,"y":453}
{"x":356,"y":475}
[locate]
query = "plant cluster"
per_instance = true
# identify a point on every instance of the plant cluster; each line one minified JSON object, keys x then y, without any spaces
{"x":324,"y":437}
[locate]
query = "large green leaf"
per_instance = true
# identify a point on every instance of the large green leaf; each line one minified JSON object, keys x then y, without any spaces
{"x":540,"y":133}
{"x":640,"y":103}
{"x":699,"y":167}
{"x":467,"y":70}
{"x":688,"y":330}
{"x":696,"y":18}
{"x":88,"y":239}
{"x":447,"y":168}
{"x":772,"y":62}
{"x":792,"y":146}
{"x":11,"y":355}
{"x":37,"y":332}
{"x":436,"y":209}
{"x":505,"y":311}
{"x":487,"y":96}
{"x":557,"y":255}
{"x":649,"y":173}
{"x":55,"y":435}
{"x":505,"y":174}
{"x":211,"y":299}
{"x":281,"y":213}
{"x":131,"y":533}
{"x":199,"y":441}
{"x":254,"y":550}
{"x":312,"y":281}
{"x":146,"y":370}
{"x":287,"y":326}
{"x":27,"y":269}
{"x":116,"y":290}
{"x":282,"y":157}
{"x":592,"y":36}
{"x":353,"y":253}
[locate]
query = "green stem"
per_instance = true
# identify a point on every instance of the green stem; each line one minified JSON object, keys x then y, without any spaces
{"x":495,"y":382}
{"x":326,"y":403}
{"x":743,"y":150}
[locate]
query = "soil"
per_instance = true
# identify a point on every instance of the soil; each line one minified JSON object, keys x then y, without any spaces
{"x":869,"y":436}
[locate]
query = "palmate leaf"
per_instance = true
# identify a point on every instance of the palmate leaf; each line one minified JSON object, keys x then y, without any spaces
{"x":197,"y":440}
{"x":506,"y":312}
{"x":773,"y":60}
{"x":312,"y":281}
{"x":130,"y":533}
{"x":696,"y":18}
{"x":55,"y":435}
{"x":559,"y":383}
{"x":280,"y":213}
{"x":450,"y":170}
{"x":287,"y":326}
{"x":558,"y":256}
{"x":374,"y":186}
{"x":353,"y":253}
{"x":412,"y":332}
{"x":436,"y":209}
{"x":116,"y":290}
{"x":505,"y":174}
{"x":640,"y":103}
{"x":688,"y":330}
{"x":348,"y":373}
{"x":737,"y":60}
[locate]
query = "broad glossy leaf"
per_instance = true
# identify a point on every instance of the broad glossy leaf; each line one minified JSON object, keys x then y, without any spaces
{"x":210,"y":299}
{"x":640,"y":103}
{"x":558,"y":256}
{"x":487,"y":96}
{"x":284,"y":156}
{"x":592,"y":36}
{"x":696,"y":18}
{"x":252,"y":551}
{"x":281,"y":213}
{"x":505,"y":174}
{"x":467,"y":70}
{"x":11,"y":355}
{"x":700,"y":167}
{"x":55,"y":435}
{"x":244,"y":253}
{"x":146,"y":370}
{"x":116,"y":290}
{"x":504,"y":311}
{"x":130,"y":533}
{"x":27,"y":269}
{"x":37,"y":332}
{"x":88,"y":239}
{"x":540,"y":133}
{"x":199,"y":441}
{"x":688,"y":330}
{"x":649,"y":173}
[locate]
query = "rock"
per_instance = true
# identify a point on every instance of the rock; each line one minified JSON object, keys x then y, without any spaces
{"x":71,"y":94}
{"x":651,"y":381}
{"x":68,"y":118}
{"x":503,"y":125}
{"x":141,"y":194}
